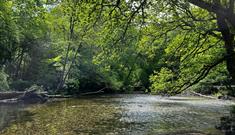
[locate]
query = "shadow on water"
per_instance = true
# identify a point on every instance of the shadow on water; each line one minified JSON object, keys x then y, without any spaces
{"x":12,"y":113}
{"x":227,"y":123}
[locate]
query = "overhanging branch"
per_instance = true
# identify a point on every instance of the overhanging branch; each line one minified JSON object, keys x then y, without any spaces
{"x":203,"y":73}
{"x":215,"y":8}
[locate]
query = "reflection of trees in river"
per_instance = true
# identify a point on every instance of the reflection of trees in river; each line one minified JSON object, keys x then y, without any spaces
{"x":227,"y":123}
{"x":10,"y":113}
{"x":5,"y":115}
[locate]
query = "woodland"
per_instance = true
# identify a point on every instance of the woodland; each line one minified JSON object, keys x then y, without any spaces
{"x":156,"y":46}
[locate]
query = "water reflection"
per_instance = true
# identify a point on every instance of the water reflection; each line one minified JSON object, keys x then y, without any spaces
{"x":121,"y":114}
{"x":9,"y":113}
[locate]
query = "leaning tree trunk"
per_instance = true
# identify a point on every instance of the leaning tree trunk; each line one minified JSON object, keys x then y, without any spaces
{"x":18,"y":67}
{"x":70,"y":38}
{"x":230,"y":61}
{"x":228,"y":38}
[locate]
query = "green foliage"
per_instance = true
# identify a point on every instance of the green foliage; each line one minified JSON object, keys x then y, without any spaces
{"x":218,"y":77}
{"x":162,"y":82}
{"x":85,"y":46}
{"x":20,"y":85}
{"x":72,"y":86}
{"x":8,"y":32}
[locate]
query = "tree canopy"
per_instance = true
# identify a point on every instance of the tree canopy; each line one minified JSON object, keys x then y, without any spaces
{"x":75,"y":46}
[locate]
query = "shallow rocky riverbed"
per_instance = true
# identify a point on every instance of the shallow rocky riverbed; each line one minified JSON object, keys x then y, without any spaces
{"x":136,"y":114}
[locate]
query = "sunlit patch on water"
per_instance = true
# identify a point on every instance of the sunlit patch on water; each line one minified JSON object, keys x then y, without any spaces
{"x":123,"y":114}
{"x":174,"y":114}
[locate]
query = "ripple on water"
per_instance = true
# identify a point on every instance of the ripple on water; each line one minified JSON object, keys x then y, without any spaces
{"x":175,"y":113}
{"x":125,"y":114}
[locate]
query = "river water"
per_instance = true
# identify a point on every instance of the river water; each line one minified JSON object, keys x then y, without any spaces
{"x":116,"y":114}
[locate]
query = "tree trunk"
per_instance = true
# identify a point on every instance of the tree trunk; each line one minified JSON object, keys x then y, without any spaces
{"x":70,"y":39}
{"x":18,"y":67}
{"x":61,"y":83}
{"x":224,"y":16}
{"x":228,"y":38}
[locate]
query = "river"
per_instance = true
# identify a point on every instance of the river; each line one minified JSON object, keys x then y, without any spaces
{"x":134,"y":114}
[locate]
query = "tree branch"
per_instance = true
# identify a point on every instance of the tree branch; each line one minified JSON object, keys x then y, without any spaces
{"x":215,"y":8}
{"x":203,"y":73}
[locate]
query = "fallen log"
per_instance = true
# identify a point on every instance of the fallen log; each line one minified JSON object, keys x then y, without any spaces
{"x":58,"y":96}
{"x":10,"y":95}
{"x":201,"y":95}
{"x":9,"y":101}
{"x":93,"y":92}
{"x":23,"y":97}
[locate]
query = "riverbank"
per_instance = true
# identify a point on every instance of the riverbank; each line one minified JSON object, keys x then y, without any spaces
{"x":27,"y":97}
{"x":32,"y":96}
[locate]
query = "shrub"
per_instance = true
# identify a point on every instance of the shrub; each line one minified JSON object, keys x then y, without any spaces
{"x":72,"y":86}
{"x":162,"y":82}
{"x":20,"y":85}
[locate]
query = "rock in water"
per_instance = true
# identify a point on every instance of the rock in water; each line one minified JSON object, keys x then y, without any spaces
{"x":31,"y":97}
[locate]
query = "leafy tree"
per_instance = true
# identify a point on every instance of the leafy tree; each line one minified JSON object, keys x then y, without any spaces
{"x":211,"y":20}
{"x":165,"y":46}
{"x":162,"y":82}
{"x":8,"y":32}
